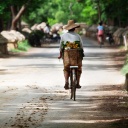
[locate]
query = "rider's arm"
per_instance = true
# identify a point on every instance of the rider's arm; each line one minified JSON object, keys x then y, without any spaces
{"x":60,"y":56}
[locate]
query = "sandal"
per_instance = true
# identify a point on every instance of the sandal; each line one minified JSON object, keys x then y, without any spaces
{"x":78,"y":86}
{"x":66,"y":86}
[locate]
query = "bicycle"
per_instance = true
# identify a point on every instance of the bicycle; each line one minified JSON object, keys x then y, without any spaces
{"x":73,"y":59}
{"x":73,"y":81}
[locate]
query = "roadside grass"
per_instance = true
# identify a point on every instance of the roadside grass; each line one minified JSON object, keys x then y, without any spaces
{"x":124,"y":69}
{"x":22,"y":46}
{"x":121,"y":47}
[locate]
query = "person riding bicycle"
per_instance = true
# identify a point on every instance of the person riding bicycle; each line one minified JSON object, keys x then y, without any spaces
{"x":100,"y":32}
{"x":71,"y":40}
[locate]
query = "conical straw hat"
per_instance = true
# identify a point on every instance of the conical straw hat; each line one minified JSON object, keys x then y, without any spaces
{"x":71,"y":25}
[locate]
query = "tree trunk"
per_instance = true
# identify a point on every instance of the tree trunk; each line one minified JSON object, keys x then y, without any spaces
{"x":16,"y":17}
{"x":126,"y":82}
{"x":1,"y":24}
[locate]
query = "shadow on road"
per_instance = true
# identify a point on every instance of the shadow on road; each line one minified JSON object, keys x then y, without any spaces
{"x":102,"y":107}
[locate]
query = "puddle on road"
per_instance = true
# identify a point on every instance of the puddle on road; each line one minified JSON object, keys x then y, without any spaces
{"x":6,"y":71}
{"x":3,"y":71}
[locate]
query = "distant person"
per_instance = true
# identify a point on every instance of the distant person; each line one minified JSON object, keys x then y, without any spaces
{"x":100,"y":31}
{"x":56,"y":36}
{"x":68,"y":41}
{"x":47,"y":29}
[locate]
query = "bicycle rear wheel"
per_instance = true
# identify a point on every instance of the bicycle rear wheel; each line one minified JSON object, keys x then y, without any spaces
{"x":73,"y":84}
{"x":100,"y":40}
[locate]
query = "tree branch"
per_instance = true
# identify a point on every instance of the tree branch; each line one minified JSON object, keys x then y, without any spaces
{"x":19,"y":14}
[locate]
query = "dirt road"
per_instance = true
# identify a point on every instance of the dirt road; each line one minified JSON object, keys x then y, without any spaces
{"x":32,"y":93}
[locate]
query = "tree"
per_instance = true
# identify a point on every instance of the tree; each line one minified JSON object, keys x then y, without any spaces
{"x":117,"y":10}
{"x":53,"y":11}
{"x":2,"y":16}
{"x":17,"y":13}
{"x":17,"y":10}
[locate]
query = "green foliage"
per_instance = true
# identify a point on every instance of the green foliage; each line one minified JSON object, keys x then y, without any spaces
{"x":22,"y":46}
{"x":2,"y":8}
{"x":52,"y":21}
{"x":89,"y":14}
{"x":61,"y":16}
{"x":53,"y":11}
{"x":124,"y":69}
{"x":38,"y":33}
{"x":35,"y":37}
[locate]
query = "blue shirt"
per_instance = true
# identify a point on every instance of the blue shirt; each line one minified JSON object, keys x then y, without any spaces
{"x":100,"y":27}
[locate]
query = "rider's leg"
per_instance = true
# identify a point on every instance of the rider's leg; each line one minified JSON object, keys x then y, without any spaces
{"x":66,"y":68}
{"x":66,"y":76}
{"x":78,"y":79}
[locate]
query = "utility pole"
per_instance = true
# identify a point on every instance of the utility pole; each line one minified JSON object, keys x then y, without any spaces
{"x":98,"y":8}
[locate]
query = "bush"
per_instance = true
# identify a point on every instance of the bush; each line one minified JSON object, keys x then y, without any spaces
{"x":22,"y":46}
{"x":35,"y":37}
